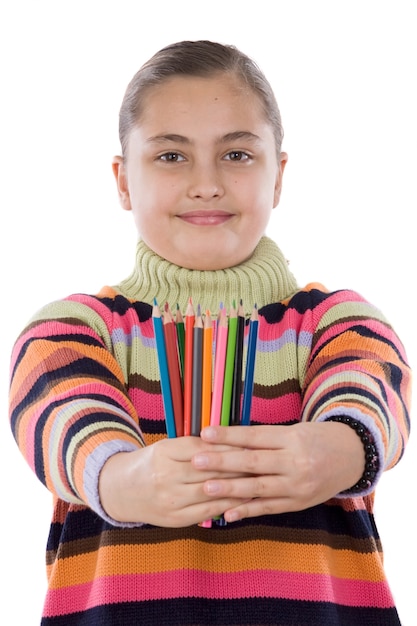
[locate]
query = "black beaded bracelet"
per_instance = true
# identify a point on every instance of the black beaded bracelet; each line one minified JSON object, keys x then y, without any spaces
{"x":371,"y":453}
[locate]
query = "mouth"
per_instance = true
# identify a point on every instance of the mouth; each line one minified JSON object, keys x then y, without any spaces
{"x":205,"y":218}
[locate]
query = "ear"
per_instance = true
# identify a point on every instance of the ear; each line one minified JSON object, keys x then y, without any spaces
{"x":283,"y":158}
{"x":119,"y":171}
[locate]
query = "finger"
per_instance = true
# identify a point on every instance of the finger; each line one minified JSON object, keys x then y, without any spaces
{"x":246,"y":436}
{"x":258,"y":507}
{"x":201,"y":477}
{"x":244,"y":461}
{"x":183,"y":448}
{"x":248,"y":487}
{"x":216,"y":508}
{"x":197,"y":513}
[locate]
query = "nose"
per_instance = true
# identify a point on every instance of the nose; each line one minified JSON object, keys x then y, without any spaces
{"x":205,"y":182}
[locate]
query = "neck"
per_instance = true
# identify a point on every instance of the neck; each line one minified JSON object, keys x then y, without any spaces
{"x":261,"y":280}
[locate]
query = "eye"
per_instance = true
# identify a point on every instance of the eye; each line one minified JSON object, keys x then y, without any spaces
{"x":171,"y":157}
{"x":237,"y":155}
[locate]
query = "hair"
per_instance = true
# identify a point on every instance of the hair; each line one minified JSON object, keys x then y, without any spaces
{"x":196,"y":58}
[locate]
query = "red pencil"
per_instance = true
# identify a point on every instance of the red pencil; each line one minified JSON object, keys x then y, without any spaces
{"x":188,"y":365}
{"x":174,"y":369}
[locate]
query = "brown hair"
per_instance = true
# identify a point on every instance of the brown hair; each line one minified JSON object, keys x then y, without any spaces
{"x":196,"y":58}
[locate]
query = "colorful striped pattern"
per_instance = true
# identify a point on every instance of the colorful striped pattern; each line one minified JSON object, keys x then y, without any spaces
{"x":85,"y":382}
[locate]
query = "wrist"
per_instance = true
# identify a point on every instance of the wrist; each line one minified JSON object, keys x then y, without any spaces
{"x":371,"y":459}
{"x":111,"y":488}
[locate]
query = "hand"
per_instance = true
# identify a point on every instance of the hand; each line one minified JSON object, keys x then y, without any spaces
{"x":159,"y":485}
{"x":278,"y":469}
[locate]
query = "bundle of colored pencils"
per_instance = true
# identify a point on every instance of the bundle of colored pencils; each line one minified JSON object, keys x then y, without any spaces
{"x":201,"y":367}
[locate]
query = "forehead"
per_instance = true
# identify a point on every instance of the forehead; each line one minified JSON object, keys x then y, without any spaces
{"x":220,"y":98}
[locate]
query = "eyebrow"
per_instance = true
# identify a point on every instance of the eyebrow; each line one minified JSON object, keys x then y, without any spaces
{"x":232,"y":136}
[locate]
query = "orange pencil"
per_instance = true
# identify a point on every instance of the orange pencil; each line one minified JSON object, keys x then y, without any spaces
{"x":207,"y":370}
{"x":207,"y":381}
{"x":173,"y":369}
{"x":188,"y":365}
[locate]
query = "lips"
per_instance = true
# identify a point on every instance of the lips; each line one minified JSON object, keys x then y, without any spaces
{"x":206,"y":218}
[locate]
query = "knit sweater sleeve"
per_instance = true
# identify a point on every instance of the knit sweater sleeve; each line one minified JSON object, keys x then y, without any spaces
{"x":356,"y":367}
{"x":69,"y":408}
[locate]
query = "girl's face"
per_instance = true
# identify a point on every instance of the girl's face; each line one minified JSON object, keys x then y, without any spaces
{"x":201,"y":174}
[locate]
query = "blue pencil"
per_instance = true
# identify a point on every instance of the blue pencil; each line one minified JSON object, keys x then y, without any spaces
{"x":250,"y":368}
{"x":237,"y":372}
{"x":163,"y":370}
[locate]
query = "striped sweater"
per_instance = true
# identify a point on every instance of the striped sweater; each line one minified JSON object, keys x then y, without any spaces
{"x":85,"y":385}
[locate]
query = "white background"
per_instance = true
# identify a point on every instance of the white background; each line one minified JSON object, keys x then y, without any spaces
{"x":345,"y":78}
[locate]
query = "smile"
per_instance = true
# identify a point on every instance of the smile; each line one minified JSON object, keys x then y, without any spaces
{"x":206,"y":218}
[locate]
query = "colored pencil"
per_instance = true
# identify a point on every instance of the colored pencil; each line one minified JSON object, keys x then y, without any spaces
{"x":237,"y":371}
{"x":207,"y":370}
{"x":219,"y":367}
{"x":206,"y":524}
{"x":197,"y":379}
{"x":229,"y":367}
{"x":188,"y":365}
{"x":250,"y":367}
{"x":179,"y":325}
{"x":163,"y":369}
{"x":173,"y":369}
{"x":207,"y":382}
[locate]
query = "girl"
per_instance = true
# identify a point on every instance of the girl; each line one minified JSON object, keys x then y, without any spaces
{"x":201,"y":169}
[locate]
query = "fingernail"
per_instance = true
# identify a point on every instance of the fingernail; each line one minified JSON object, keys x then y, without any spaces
{"x":212,"y":488}
{"x":209,"y":432}
{"x":200,"y":460}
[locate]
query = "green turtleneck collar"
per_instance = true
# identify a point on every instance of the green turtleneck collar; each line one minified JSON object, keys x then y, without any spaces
{"x":261,"y":280}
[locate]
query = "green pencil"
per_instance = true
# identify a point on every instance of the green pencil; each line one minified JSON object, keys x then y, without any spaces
{"x":229,"y":367}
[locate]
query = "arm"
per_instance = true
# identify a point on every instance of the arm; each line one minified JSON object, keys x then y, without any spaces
{"x":75,"y":424}
{"x":356,"y":366}
{"x":69,"y":409}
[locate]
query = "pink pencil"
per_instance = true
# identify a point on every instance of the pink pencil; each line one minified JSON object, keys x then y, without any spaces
{"x":219,"y":368}
{"x":188,"y":365}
